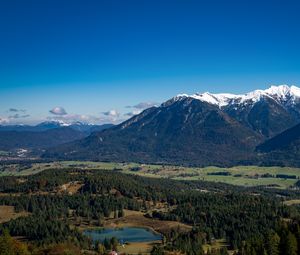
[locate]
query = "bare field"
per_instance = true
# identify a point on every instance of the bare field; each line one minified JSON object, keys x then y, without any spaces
{"x":8,"y":213}
{"x":70,"y":188}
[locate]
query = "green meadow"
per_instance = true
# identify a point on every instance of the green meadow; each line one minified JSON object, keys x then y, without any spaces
{"x":238,"y":175}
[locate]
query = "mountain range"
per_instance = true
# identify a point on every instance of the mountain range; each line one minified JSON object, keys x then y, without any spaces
{"x":201,"y":129}
{"x":46,"y":125}
{"x":44,"y":135}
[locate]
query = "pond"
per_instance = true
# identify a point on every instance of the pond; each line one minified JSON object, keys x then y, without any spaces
{"x":126,"y":234}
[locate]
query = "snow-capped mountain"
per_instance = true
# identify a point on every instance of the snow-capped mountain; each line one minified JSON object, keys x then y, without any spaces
{"x":53,"y":124}
{"x":283,"y":94}
{"x":200,"y":129}
{"x":267,"y":112}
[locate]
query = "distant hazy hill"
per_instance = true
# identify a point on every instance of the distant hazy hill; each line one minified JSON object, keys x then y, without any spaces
{"x":82,"y":127}
{"x":44,"y":135}
{"x":33,"y":140}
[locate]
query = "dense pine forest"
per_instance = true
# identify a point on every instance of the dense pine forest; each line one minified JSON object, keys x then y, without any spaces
{"x":250,"y":220}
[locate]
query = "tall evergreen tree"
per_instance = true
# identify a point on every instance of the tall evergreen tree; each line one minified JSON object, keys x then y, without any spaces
{"x":272,"y":243}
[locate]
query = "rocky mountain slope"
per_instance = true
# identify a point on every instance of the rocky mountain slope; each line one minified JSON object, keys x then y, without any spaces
{"x":283,"y":149}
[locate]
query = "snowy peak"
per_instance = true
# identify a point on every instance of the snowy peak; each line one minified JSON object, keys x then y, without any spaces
{"x":221,"y":99}
{"x":295,"y":91}
{"x":217,"y":99}
{"x":54,"y":123}
{"x":281,"y":93}
{"x":61,"y":123}
{"x":284,"y":93}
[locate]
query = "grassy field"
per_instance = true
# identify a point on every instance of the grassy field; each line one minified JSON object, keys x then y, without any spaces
{"x":238,"y":175}
{"x":137,"y":248}
{"x":19,"y":170}
{"x":292,"y":202}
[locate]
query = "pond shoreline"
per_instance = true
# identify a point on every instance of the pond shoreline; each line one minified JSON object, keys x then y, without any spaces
{"x":124,"y":235}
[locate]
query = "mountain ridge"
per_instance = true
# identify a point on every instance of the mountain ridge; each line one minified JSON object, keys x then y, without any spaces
{"x":182,"y":132}
{"x":282,"y":93}
{"x":44,"y":135}
{"x":194,"y":130}
{"x":267,"y":112}
{"x":283,"y":149}
{"x":47,"y":125}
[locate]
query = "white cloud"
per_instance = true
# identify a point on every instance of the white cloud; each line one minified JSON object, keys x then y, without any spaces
{"x":138,"y":108}
{"x":4,"y":120}
{"x":58,"y":111}
{"x":112,"y":113}
{"x":106,"y":117}
{"x":72,"y":118}
{"x":143,"y":105}
{"x":13,"y":119}
{"x":18,"y":116}
{"x":134,"y":112}
{"x":16,"y":110}
{"x":111,"y":116}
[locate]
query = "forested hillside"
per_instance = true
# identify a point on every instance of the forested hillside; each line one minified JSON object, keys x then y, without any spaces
{"x":241,"y":216}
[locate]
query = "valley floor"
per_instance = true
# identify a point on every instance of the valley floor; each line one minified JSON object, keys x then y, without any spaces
{"x":249,"y":176}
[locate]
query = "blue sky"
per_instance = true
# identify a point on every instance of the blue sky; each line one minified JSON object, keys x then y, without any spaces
{"x":98,"y":60}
